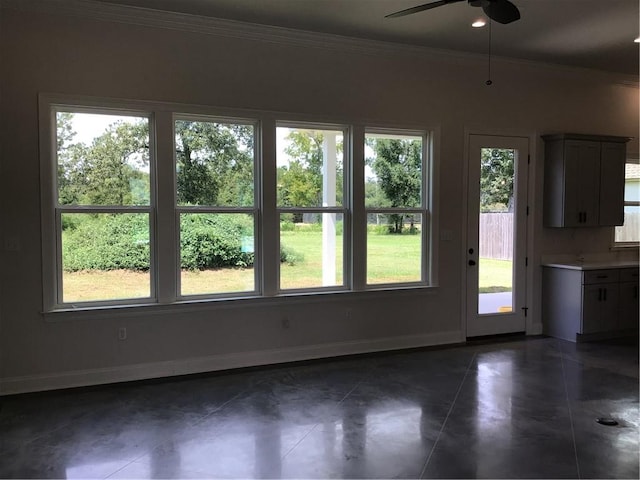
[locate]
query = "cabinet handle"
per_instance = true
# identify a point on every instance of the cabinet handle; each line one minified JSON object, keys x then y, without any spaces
{"x":602,"y":276}
{"x":599,"y":294}
{"x":584,"y":217}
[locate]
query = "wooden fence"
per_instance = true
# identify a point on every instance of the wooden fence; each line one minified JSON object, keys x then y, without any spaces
{"x":496,"y":236}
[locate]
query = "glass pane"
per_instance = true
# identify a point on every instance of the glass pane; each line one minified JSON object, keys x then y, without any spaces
{"x":393,"y":171}
{"x":394,"y":248}
{"x":102,"y":159}
{"x":216,"y":253}
{"x":632,"y":182}
{"x":105,"y":256}
{"x":311,"y":250}
{"x":310,"y":167}
{"x":496,"y":227}
{"x":630,"y":231}
{"x":214,"y":163}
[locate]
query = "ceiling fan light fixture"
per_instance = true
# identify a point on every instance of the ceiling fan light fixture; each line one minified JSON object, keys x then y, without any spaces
{"x":481,"y":22}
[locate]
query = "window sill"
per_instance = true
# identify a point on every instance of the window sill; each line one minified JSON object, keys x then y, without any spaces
{"x":186,"y":306}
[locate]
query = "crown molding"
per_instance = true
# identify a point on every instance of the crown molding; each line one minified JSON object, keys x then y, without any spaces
{"x":109,"y":12}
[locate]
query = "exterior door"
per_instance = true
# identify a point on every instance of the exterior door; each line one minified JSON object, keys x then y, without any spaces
{"x":496,"y":234}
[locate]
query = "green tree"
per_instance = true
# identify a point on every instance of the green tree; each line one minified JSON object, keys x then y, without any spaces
{"x":300,"y":182}
{"x":113,"y":170}
{"x":397,"y":164}
{"x":214,"y":163}
{"x":496,"y":179}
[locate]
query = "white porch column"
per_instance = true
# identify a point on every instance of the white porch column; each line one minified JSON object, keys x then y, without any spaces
{"x":329,"y":155}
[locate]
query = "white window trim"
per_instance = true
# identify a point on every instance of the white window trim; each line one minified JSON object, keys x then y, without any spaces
{"x":253,"y":210}
{"x":626,"y":245}
{"x":51,"y":211}
{"x":343,"y":209}
{"x":425,"y":210}
{"x":163,"y":216}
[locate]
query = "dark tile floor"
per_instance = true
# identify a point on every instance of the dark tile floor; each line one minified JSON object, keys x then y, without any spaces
{"x":513,"y":409}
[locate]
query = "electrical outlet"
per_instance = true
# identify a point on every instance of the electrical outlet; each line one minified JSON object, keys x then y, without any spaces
{"x":122,"y":333}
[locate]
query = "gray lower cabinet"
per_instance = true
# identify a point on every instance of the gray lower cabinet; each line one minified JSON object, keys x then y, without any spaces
{"x":577,"y":304}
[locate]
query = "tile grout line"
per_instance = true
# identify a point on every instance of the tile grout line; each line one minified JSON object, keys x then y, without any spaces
{"x":455,"y":398}
{"x":566,"y":392}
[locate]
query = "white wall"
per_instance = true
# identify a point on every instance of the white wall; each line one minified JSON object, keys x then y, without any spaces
{"x":44,"y":52}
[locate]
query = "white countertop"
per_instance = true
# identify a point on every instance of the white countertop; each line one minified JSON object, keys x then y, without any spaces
{"x":593,"y":264}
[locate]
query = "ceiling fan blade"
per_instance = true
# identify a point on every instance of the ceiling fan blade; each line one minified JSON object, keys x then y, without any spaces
{"x":501,"y":11}
{"x":421,"y":8}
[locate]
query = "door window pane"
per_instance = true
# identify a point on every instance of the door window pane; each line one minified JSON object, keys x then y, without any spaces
{"x":216,"y":253}
{"x":105,"y":256}
{"x":496,"y":231}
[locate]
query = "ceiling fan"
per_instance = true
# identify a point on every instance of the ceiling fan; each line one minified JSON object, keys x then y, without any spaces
{"x":501,"y":11}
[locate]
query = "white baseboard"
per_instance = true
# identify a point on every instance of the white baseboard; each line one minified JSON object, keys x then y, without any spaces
{"x":142,"y":371}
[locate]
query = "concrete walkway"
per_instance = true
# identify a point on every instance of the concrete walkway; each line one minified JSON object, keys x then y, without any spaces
{"x":491,"y":302}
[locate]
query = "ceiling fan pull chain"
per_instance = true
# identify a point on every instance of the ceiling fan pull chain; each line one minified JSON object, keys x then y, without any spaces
{"x":489,"y":82}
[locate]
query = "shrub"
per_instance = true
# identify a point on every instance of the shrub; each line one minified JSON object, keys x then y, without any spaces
{"x":121,"y":241}
{"x":215,"y":241}
{"x":105,"y":242}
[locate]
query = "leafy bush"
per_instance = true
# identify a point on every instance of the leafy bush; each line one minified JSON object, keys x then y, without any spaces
{"x":121,"y":241}
{"x":105,"y":242}
{"x":215,"y":241}
{"x":290,"y":256}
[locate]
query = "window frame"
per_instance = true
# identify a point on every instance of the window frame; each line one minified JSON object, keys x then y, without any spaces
{"x":52,"y":211}
{"x":344,"y":209}
{"x":253,"y":210}
{"x":425,"y":210}
{"x":633,"y":159}
{"x":164,"y":212}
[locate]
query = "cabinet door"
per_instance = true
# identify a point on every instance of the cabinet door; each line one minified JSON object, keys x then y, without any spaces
{"x":600,"y":308}
{"x":612,"y":163}
{"x":629,"y":305}
{"x":582,"y":183}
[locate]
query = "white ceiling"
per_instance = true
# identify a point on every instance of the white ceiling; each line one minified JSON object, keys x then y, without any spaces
{"x":595,"y":34}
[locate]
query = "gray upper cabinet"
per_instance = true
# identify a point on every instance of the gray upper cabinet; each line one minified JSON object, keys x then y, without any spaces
{"x":584,"y":180}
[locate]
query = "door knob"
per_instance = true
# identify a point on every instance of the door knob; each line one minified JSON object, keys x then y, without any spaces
{"x":472,"y":262}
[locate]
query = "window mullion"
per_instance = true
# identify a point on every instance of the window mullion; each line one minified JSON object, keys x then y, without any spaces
{"x":166,"y":235}
{"x":270,"y":230}
{"x":358,"y":212}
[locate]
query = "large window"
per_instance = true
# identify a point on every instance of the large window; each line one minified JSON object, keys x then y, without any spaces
{"x":215,"y":201}
{"x":629,"y":233}
{"x":143,"y":204}
{"x":103,"y":206}
{"x":311,"y":206}
{"x":396,"y":207}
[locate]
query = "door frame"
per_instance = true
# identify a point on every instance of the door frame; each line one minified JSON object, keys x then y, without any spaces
{"x":533,"y":325}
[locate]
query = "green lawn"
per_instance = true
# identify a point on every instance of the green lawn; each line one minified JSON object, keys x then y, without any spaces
{"x":390,"y":258}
